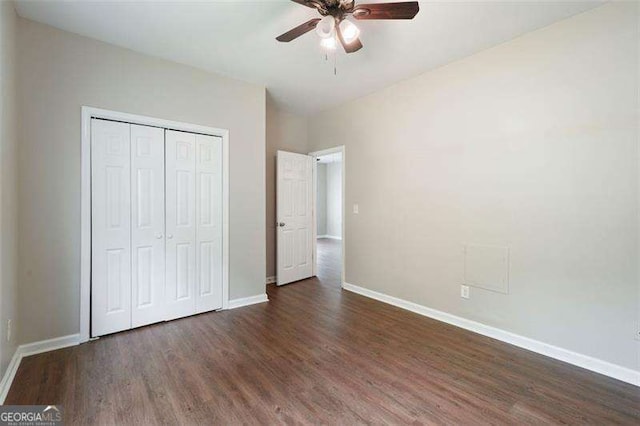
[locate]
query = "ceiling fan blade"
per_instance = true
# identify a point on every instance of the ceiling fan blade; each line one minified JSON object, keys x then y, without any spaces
{"x":401,"y":10}
{"x":298,"y":31}
{"x":354,"y":46}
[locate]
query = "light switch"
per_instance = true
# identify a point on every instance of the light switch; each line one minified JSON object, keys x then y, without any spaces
{"x":355,"y":209}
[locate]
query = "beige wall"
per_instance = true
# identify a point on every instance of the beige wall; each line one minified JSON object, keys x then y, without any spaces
{"x":8,"y":183}
{"x":58,"y":73}
{"x":286,"y":131}
{"x":532,"y":145}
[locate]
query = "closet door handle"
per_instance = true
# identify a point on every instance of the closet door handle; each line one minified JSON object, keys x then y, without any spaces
{"x":169,"y":236}
{"x":159,"y":235}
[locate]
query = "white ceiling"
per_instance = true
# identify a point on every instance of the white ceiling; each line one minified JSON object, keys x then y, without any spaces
{"x":237,"y":39}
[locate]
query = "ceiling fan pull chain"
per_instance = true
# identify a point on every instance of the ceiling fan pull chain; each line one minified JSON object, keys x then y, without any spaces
{"x":335,"y":62}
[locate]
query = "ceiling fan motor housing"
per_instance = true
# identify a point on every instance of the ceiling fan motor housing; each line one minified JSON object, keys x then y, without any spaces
{"x":336,"y":8}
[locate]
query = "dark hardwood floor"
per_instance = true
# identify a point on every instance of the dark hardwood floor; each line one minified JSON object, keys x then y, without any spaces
{"x":316,"y":354}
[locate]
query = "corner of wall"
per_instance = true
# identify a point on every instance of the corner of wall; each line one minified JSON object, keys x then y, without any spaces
{"x":285,"y":131}
{"x":8,"y":185}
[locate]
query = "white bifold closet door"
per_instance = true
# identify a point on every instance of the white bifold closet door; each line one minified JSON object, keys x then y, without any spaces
{"x":208,"y":223}
{"x":181,"y":224}
{"x":147,"y":225}
{"x":194,"y":223}
{"x":156,"y":225}
{"x":110,"y":227}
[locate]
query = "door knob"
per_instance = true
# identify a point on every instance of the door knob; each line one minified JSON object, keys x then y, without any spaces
{"x":159,"y":235}
{"x":281,"y":224}
{"x":169,"y":236}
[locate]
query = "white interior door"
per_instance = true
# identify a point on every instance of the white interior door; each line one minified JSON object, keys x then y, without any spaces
{"x":147,"y":225}
{"x":180,"y":224}
{"x":209,"y":223}
{"x":295,"y":220}
{"x":110,"y":227}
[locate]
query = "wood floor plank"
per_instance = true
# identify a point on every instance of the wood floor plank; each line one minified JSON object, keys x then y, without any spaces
{"x":316,"y":354}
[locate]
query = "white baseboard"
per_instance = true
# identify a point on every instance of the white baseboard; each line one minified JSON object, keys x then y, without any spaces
{"x":331,"y":237}
{"x":246,"y":301}
{"x":49,"y":345}
{"x":33,"y":349}
{"x":597,"y":365}
{"x":272,"y":279}
{"x":9,"y":375}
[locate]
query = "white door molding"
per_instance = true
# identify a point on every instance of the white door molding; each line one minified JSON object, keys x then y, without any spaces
{"x":87,"y":113}
{"x":315,"y":155}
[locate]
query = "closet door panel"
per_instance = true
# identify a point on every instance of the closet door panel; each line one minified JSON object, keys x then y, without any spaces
{"x":209,"y":223}
{"x":180,"y":184}
{"x":147,"y":225}
{"x":110,"y":227}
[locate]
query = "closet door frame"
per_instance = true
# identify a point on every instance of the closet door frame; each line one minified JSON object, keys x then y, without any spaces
{"x":87,"y":113}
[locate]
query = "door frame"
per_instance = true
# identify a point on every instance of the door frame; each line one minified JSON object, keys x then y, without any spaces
{"x":315,"y":154}
{"x":87,"y":113}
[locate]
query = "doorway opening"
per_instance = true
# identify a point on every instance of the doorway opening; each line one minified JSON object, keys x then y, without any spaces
{"x":329,"y":216}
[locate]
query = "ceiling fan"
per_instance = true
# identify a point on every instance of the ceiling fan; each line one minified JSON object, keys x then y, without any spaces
{"x":335,"y":24}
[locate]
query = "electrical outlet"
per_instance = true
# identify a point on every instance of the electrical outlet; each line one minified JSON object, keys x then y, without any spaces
{"x":464,"y":291}
{"x":356,"y":209}
{"x":8,"y":330}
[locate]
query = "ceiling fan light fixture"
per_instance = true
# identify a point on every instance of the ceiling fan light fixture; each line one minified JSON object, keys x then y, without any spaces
{"x":326,"y":27}
{"x":349,"y":31}
{"x":329,"y":43}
